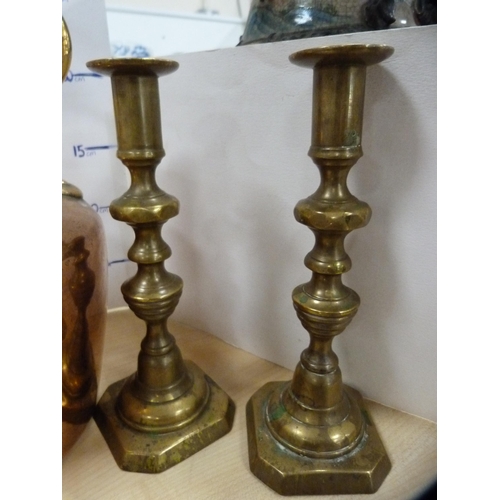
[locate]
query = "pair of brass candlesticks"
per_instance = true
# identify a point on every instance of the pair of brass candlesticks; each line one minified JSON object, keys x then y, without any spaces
{"x":308,"y":436}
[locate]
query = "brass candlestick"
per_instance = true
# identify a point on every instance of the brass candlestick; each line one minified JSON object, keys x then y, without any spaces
{"x":169,"y":409}
{"x":313,"y":435}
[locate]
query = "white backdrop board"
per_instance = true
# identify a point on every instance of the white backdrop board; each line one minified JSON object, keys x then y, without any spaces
{"x":236,"y":128}
{"x":153,"y":32}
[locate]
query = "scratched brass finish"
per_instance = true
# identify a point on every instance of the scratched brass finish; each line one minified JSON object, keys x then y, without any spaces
{"x":169,"y":409}
{"x":313,"y":435}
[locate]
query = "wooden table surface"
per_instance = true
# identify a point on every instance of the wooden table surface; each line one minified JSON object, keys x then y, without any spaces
{"x":221,"y":470}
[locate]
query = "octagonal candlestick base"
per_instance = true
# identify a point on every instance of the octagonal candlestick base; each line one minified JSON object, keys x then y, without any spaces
{"x":169,"y":409}
{"x":313,"y":435}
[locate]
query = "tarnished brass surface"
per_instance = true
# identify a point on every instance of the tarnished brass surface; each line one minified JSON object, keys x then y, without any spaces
{"x":312,"y":435}
{"x":167,"y":410}
{"x":361,"y":471}
{"x":154,"y":451}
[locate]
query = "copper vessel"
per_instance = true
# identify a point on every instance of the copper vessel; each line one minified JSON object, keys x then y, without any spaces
{"x":84,"y":275}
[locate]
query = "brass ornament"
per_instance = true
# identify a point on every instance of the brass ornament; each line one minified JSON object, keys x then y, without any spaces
{"x":66,"y":50}
{"x":169,"y":409}
{"x":313,"y":435}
